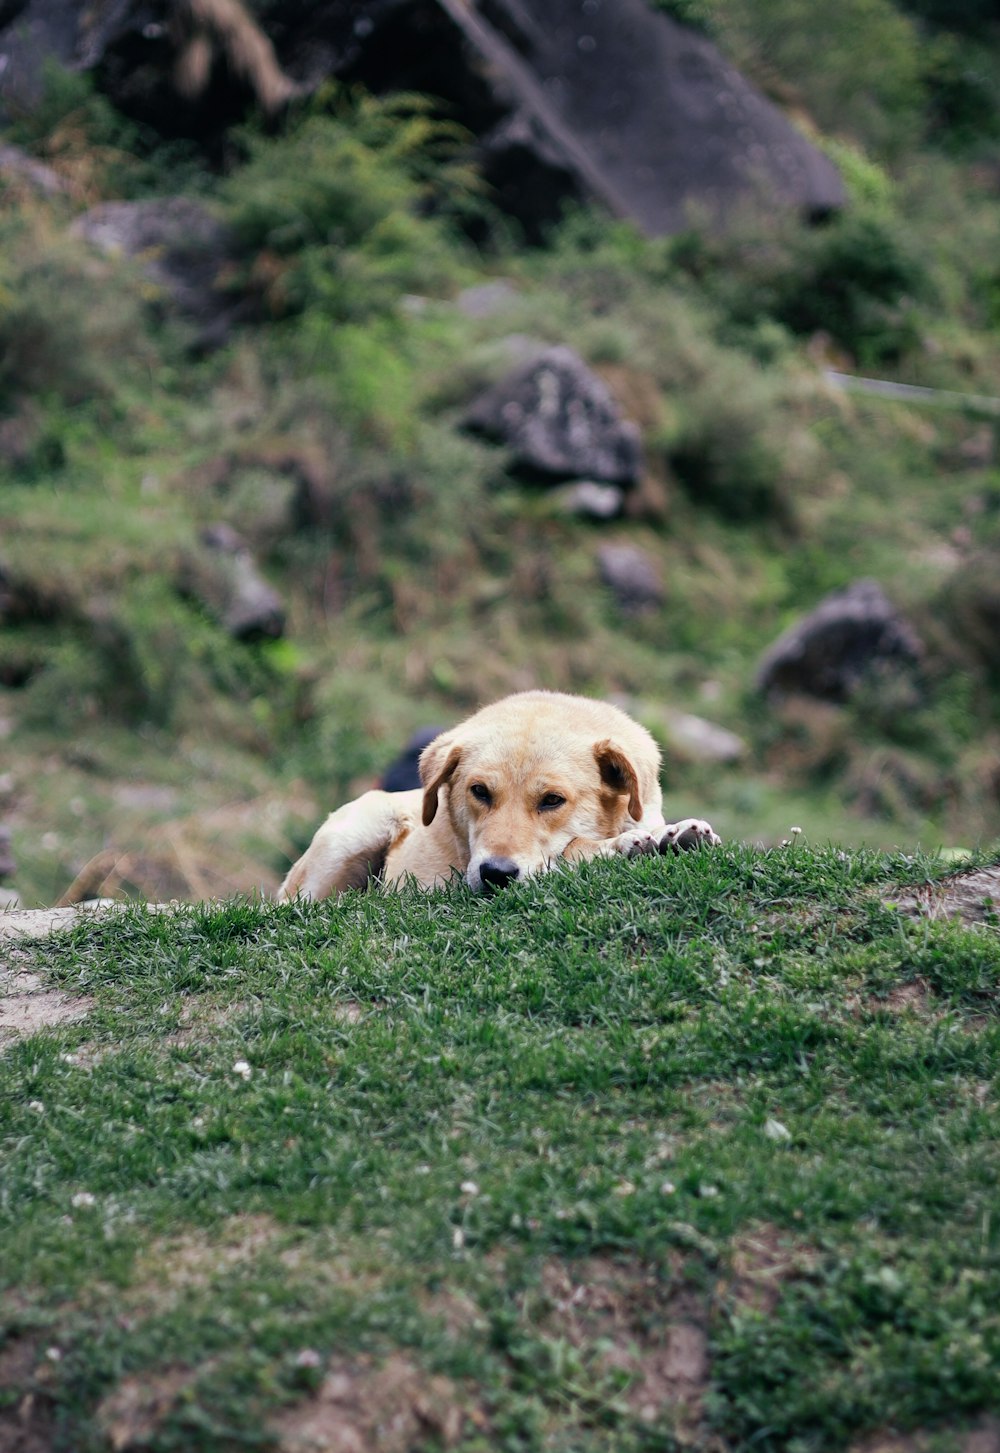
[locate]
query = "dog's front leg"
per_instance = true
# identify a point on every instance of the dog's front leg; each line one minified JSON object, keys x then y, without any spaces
{"x":349,"y":849}
{"x":674,"y":837}
{"x":690,"y":832}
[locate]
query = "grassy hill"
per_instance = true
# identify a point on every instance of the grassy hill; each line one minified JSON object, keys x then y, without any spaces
{"x":692,"y":1153}
{"x":146,"y":752}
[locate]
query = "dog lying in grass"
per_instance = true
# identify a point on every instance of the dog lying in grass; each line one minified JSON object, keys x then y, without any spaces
{"x":531,"y":781}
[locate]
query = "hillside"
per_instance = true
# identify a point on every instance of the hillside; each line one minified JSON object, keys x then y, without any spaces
{"x":698,"y":1153}
{"x":308,"y":391}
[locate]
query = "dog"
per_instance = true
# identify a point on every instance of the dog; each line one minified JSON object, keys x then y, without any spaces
{"x":536,"y":779}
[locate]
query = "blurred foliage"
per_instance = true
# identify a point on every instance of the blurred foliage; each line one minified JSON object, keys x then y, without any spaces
{"x":334,"y":211}
{"x":880,"y":73}
{"x":855,"y":66}
{"x":53,"y":341}
{"x":419,"y":577}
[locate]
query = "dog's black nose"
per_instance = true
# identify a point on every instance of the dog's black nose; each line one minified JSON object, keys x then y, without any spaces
{"x":498,"y":872}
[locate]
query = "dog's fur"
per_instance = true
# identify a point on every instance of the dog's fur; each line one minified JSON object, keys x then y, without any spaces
{"x":532,"y":780}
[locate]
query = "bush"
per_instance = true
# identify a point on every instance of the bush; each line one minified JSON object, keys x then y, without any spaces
{"x":337,"y":209}
{"x":853,"y":278}
{"x":857,"y":281}
{"x":59,"y":336}
{"x":723,"y":454}
{"x":855,"y":65}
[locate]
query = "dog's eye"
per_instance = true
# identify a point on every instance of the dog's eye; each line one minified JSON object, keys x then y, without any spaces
{"x":550,"y":800}
{"x":481,"y":792}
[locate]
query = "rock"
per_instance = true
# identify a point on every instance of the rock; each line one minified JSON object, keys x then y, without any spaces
{"x":590,"y":500}
{"x":689,"y":738}
{"x":224,"y":577}
{"x":487,"y":299}
{"x":184,"y":67}
{"x":181,"y":248}
{"x":696,"y":740}
{"x":621,"y":103}
{"x":8,"y":867}
{"x":403,"y":774}
{"x":567,"y":99}
{"x":632,"y":575}
{"x":850,"y":635}
{"x":35,"y":33}
{"x":17,"y":165}
{"x":559,"y":421}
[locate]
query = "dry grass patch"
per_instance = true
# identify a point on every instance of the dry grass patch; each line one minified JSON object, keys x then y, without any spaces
{"x":26,"y":1006}
{"x":973,"y":897}
{"x":172,"y":1265}
{"x":985,"y":1438}
{"x":762,"y":1260}
{"x":393,"y":1406}
{"x":638,"y":1322}
{"x":27,"y":1421}
{"x":131,"y":1416}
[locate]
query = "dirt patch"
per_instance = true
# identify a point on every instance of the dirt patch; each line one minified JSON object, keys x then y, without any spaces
{"x":984,"y":1438}
{"x":637,"y":1321}
{"x":763,"y":1260}
{"x":203,"y":856}
{"x":360,"y":1405}
{"x":193,"y":1261}
{"x":27,"y":1422}
{"x":913,"y":997}
{"x":132,"y":1414}
{"x":972,"y":897}
{"x":26,"y":1006}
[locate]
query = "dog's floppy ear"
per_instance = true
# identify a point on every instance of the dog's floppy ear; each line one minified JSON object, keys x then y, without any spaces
{"x":618,"y":773}
{"x":438,"y":761}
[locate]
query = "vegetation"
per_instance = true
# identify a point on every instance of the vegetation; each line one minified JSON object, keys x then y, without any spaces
{"x":691,"y":1153}
{"x":673,"y":1153}
{"x":419,"y":577}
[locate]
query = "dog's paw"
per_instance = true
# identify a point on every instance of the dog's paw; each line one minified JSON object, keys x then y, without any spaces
{"x":691,"y":832}
{"x":636,"y":843}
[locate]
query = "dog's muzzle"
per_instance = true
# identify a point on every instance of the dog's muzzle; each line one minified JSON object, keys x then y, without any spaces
{"x":496,"y":873}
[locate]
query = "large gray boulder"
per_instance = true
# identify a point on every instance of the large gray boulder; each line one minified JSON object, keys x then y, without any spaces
{"x":636,"y":110}
{"x":559,"y":421}
{"x":851,"y":635}
{"x":602,"y":99}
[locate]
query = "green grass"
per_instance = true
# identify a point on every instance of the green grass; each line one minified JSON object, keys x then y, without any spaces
{"x":514,"y":1145}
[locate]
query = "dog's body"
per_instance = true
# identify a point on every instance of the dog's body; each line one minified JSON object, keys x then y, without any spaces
{"x":532,"y":780}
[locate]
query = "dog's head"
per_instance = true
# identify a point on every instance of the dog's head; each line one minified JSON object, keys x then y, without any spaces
{"x":522,"y":779}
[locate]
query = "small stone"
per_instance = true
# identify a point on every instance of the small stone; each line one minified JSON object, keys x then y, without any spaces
{"x":591,"y":500}
{"x":632,"y":575}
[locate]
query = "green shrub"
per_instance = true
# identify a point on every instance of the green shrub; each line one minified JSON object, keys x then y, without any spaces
{"x":856,"y":65}
{"x":962,"y":82}
{"x":338,"y":205}
{"x":60,"y":335}
{"x":724,"y":453}
{"x":857,"y":280}
{"x":854,"y":278}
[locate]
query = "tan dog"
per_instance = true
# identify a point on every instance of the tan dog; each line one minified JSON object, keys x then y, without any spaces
{"x":533,"y":780}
